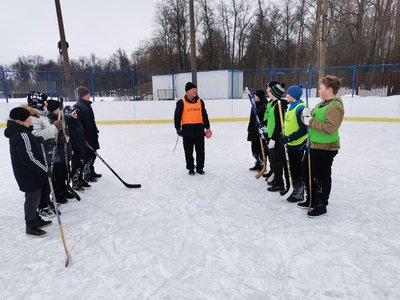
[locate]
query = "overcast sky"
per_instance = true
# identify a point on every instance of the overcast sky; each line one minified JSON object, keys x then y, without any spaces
{"x":29,"y":27}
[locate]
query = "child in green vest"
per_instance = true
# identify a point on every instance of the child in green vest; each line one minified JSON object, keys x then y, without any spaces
{"x":324,"y":122}
{"x":274,"y":131}
{"x":268,"y":176}
{"x":295,"y":138}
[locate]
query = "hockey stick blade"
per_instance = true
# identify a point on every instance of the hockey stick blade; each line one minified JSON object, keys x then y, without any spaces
{"x":132,"y":186}
{"x":262,"y":171}
{"x":67,"y":260}
{"x":288,"y":193}
{"x":75,"y":194}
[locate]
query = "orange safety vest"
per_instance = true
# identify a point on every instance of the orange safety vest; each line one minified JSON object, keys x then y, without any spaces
{"x":192,"y":112}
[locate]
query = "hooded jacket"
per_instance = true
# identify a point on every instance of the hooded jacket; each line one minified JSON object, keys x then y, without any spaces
{"x":26,"y":157}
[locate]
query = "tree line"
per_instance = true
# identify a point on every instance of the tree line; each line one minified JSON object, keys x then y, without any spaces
{"x":251,"y":34}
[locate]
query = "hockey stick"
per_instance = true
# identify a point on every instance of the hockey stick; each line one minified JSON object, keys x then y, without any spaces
{"x":53,"y":196}
{"x":66,"y":156}
{"x":261,"y":134}
{"x":290,"y":189}
{"x":176,"y":144}
{"x":309,"y":155}
{"x":126,"y":184}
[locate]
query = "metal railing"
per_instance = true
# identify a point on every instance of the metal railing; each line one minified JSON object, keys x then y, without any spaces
{"x":374,"y":80}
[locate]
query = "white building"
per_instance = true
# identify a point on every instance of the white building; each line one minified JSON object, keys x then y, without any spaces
{"x":223,"y":84}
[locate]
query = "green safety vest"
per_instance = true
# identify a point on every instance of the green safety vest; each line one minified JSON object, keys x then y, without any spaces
{"x":319,"y":114}
{"x":271,"y":119}
{"x":266,"y":114}
{"x":291,"y":124}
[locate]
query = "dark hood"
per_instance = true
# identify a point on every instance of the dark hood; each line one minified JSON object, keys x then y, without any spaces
{"x":13,"y":128}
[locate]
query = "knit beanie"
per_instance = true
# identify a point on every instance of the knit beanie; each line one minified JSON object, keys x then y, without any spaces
{"x":83,"y":91}
{"x":272,"y":83}
{"x":261,"y":95}
{"x":295,"y":91}
{"x":52,"y":105}
{"x":190,"y":86}
{"x":278,"y":90}
{"x":19,"y":113}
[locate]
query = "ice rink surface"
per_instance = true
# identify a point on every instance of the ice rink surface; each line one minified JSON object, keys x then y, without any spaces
{"x":217,"y":236}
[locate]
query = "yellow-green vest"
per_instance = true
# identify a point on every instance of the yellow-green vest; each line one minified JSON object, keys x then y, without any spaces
{"x":291,"y":124}
{"x":319,"y":113}
{"x":271,"y":119}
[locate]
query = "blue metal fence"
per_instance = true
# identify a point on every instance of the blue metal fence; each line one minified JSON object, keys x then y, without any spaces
{"x":378,"y":80}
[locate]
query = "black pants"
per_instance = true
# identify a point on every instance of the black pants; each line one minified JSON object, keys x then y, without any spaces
{"x":59,"y":178}
{"x":198,"y":144}
{"x":256,"y":151}
{"x":77,"y":168}
{"x":32,"y":200}
{"x":278,"y":164}
{"x":296,"y":161}
{"x":90,"y":158}
{"x":45,"y":197}
{"x":321,"y":171}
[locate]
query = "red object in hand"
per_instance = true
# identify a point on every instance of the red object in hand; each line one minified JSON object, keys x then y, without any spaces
{"x":208,"y":133}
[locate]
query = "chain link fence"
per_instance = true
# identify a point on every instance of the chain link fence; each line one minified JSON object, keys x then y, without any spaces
{"x":369,"y":80}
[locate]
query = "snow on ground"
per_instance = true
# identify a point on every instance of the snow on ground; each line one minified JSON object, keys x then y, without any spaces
{"x":218,"y":236}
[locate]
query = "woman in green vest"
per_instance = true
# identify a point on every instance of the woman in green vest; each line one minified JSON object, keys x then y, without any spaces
{"x":324,"y":122}
{"x":295,"y":138}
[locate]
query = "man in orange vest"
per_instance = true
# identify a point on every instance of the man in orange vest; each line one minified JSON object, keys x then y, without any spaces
{"x":190,"y":120}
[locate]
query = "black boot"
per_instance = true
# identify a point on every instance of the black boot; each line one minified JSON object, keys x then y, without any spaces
{"x":276,"y":188}
{"x":256,"y":167}
{"x":318,"y":211}
{"x":298,"y":193}
{"x":267,"y":175}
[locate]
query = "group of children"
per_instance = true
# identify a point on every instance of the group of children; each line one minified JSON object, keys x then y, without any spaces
{"x":44,"y":138}
{"x":300,"y":143}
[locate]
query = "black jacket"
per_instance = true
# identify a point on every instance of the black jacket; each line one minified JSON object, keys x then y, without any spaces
{"x":191,"y":130}
{"x":252,"y":129}
{"x":278,"y":125}
{"x":88,"y":122}
{"x":77,"y":136}
{"x":26,"y":157}
{"x":60,"y":140}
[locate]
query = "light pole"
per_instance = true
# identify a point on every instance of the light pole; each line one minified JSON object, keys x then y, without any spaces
{"x":192,"y":43}
{"x":64,"y":52}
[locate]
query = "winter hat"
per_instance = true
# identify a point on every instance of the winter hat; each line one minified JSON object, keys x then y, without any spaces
{"x":52,"y":105}
{"x":278,"y":90}
{"x":36,"y":99}
{"x":70,"y":110}
{"x":83,"y":91}
{"x":261,"y":95}
{"x":190,"y":86}
{"x":295,"y":91}
{"x":272,"y":83}
{"x":19,"y":113}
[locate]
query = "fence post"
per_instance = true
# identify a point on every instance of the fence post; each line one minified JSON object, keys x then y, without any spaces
{"x":133,"y":76}
{"x":173,"y":86}
{"x":92,"y":85}
{"x":353,"y":80}
{"x":5,"y":85}
{"x":309,"y":81}
{"x":49,"y":91}
{"x":270,"y":75}
{"x":231,"y":84}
